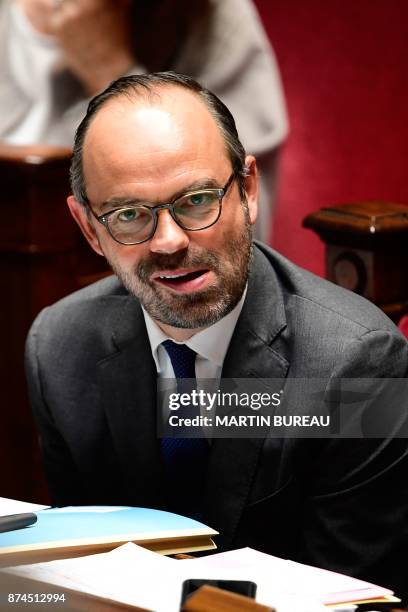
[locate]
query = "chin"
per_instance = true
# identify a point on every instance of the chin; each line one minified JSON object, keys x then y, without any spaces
{"x":191,"y":314}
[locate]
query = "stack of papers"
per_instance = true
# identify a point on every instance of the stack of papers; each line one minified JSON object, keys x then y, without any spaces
{"x":136,"y":576}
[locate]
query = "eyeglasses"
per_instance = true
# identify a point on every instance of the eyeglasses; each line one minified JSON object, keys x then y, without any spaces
{"x":193,"y":211}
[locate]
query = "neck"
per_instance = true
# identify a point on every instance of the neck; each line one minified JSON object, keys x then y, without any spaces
{"x":178,"y":333}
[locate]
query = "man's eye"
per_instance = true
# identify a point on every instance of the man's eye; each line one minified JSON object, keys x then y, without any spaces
{"x":130,"y":214}
{"x":200,"y":199}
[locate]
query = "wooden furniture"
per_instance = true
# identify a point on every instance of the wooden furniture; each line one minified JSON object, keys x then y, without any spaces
{"x":366,"y":251}
{"x":69,"y":599}
{"x":210,"y":599}
{"x":206,"y":599}
{"x":43,"y":258}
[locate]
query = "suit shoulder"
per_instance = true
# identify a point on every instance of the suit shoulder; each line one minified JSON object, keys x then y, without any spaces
{"x":108,"y":286}
{"x":82,"y":310}
{"x":332,"y":302}
{"x":325,"y":329}
{"x":89,"y":297}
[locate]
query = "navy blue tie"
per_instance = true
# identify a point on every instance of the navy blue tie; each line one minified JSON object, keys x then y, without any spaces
{"x":185,"y":459}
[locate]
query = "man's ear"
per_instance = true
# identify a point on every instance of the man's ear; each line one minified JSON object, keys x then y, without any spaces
{"x":252,"y":187}
{"x":85,"y":222}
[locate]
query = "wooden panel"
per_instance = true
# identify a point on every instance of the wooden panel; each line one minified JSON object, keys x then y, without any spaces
{"x":43,"y":257}
{"x":366,"y":250}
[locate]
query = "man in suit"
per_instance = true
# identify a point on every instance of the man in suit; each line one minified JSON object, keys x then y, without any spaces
{"x":163,"y":189}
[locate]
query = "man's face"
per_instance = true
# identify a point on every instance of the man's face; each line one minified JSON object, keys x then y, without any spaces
{"x":154,"y":151}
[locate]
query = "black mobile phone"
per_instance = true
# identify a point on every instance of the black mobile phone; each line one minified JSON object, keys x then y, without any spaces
{"x":242,"y":587}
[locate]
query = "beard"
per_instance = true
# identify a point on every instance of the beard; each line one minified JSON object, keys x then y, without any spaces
{"x":199,"y":308}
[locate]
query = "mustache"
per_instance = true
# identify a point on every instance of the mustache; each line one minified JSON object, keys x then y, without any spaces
{"x":182,"y":259}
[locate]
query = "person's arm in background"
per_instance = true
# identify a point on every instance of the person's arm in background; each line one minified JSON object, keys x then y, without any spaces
{"x":93,"y":35}
{"x":54,"y":56}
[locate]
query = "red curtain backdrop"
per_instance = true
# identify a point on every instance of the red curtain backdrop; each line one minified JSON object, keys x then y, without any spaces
{"x":344,"y":66}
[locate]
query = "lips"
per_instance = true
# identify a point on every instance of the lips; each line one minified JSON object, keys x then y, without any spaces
{"x":183,"y":280}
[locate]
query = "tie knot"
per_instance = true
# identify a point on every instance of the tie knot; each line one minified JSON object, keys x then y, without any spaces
{"x":182,"y":359}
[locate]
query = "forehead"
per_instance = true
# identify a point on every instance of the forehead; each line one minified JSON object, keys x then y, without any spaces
{"x":145,"y":144}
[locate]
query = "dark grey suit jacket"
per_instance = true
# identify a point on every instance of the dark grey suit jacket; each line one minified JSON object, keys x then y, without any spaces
{"x":340,"y":504}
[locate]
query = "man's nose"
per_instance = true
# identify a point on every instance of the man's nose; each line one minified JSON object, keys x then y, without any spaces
{"x":168,"y":237}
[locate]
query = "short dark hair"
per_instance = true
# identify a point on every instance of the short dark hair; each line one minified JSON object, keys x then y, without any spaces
{"x":130,"y":86}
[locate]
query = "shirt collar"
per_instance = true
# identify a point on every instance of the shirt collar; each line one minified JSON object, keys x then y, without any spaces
{"x":211,"y":343}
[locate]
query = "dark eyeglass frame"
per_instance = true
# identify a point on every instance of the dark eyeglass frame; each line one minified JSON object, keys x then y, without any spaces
{"x":153,"y":210}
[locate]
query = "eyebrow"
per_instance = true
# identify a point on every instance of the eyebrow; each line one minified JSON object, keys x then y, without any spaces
{"x":123,"y":202}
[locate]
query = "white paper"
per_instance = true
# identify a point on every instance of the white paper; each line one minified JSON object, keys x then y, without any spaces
{"x":136,"y":576}
{"x":13,"y":506}
{"x":275,"y":586}
{"x":291,"y":578}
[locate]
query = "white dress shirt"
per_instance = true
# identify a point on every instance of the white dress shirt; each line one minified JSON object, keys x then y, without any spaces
{"x":210,"y":344}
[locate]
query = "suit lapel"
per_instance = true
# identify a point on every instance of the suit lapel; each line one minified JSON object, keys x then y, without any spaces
{"x":257,"y":350}
{"x":127,"y":376}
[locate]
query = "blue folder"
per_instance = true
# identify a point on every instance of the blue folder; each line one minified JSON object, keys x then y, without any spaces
{"x":86,"y":531}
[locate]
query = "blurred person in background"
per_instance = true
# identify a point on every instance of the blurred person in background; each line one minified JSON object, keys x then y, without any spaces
{"x":56,"y":54}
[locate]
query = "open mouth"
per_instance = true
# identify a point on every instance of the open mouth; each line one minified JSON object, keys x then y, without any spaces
{"x":182,"y":281}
